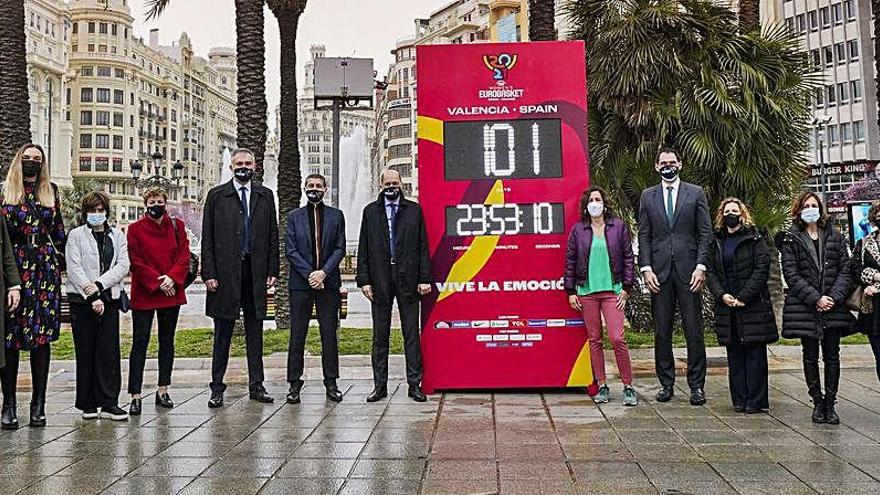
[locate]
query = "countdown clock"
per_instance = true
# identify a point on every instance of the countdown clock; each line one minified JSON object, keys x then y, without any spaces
{"x":502,"y":163}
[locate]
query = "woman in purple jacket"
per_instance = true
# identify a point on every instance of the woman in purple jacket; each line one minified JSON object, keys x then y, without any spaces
{"x":599,"y":276}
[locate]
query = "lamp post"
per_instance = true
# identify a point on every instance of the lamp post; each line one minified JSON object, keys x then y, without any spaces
{"x":157,"y":179}
{"x":820,"y":124}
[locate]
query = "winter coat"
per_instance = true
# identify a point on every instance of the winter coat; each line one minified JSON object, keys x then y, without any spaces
{"x":620,"y":254}
{"x":866,"y":264}
{"x":10,"y":275}
{"x":156,"y":250}
{"x":84,"y":262}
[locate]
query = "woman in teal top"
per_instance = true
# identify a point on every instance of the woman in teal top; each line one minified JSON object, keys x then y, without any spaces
{"x":599,"y":276}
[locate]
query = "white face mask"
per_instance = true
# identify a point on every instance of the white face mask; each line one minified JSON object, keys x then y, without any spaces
{"x":810,"y":215}
{"x":595,"y":209}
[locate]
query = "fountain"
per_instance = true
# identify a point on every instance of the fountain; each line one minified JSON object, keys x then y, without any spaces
{"x":225,"y":170}
{"x":354,"y":182}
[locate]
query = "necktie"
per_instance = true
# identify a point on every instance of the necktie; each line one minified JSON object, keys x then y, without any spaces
{"x":669,"y":209}
{"x":246,"y":231}
{"x":391,"y":221}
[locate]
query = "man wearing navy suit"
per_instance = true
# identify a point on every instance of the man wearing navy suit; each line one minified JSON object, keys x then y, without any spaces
{"x":315,"y":245}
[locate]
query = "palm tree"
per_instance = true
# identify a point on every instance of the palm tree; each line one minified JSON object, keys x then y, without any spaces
{"x":15,"y":111}
{"x":542,"y":20}
{"x":875,"y":11}
{"x":251,"y":59}
{"x":749,"y":15}
{"x":288,"y":13}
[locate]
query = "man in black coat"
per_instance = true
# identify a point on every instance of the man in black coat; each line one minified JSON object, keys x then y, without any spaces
{"x":674,"y":236}
{"x":239,"y":261}
{"x":393,"y":263}
{"x":314,"y":245}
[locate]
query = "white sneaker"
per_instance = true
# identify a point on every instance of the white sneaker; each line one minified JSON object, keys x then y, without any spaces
{"x":90,"y":414}
{"x":114,"y":413}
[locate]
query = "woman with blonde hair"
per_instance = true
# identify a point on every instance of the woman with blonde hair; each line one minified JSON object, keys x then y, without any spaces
{"x":738,"y":270}
{"x":32,"y":210}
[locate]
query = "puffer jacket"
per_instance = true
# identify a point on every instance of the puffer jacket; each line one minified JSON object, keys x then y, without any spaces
{"x":809,"y":277}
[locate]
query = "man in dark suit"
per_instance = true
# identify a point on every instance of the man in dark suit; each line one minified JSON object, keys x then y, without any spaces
{"x":674,"y":236}
{"x":393,"y":263}
{"x":315,"y":245}
{"x":239,"y":261}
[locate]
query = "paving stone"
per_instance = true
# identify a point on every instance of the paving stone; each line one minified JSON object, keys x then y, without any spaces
{"x":316,"y":468}
{"x":533,"y":470}
{"x":389,"y":469}
{"x":753,"y":471}
{"x":457,"y":487}
{"x":397,"y":450}
{"x":772,"y":488}
{"x":103,"y":466}
{"x":147,"y":485}
{"x":587,"y":472}
{"x":462,"y":451}
{"x":381,"y":487}
{"x":681,"y":485}
{"x":713,"y":437}
{"x":680,"y":471}
{"x":826,"y":471}
{"x":461,"y":470}
{"x":846,"y":488}
{"x":616,"y":487}
{"x":70,"y":484}
{"x":538,"y":487}
{"x":329,"y":450}
{"x":233,"y":467}
{"x":212,"y":486}
{"x":302,"y":486}
{"x":175,"y":466}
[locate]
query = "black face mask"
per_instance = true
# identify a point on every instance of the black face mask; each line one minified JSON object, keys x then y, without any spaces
{"x":156,"y":211}
{"x":244,"y":174}
{"x":669,"y":173}
{"x":391,"y":193}
{"x":31,"y":168}
{"x":315,"y":195}
{"x":732,"y":220}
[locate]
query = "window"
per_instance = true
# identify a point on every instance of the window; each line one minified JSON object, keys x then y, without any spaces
{"x":837,"y":13}
{"x":75,"y":27}
{"x":74,"y":48}
{"x":846,"y":133}
{"x":833,"y":139}
{"x":88,"y":71}
{"x":104,"y":71}
{"x":859,"y":131}
{"x":91,"y":48}
{"x":91,"y":27}
{"x":102,"y":28}
{"x":828,"y":53}
{"x":843,"y":93}
{"x":118,"y":119}
{"x":825,"y":16}
{"x":814,"y":20}
{"x":85,"y":140}
{"x":103,"y":95}
{"x":840,"y":48}
{"x":820,"y":98}
{"x":120,"y":73}
{"x":85,"y":95}
{"x":102,"y":118}
{"x":855,"y":89}
{"x":119,"y":97}
{"x":102,"y":141}
{"x":102,"y":164}
{"x":131,"y":143}
{"x":850,"y":7}
{"x":801,"y":24}
{"x":173,"y":115}
{"x":85,"y":163}
{"x":117,"y":142}
{"x":831,"y":96}
{"x":816,"y":56}
{"x":173,"y":136}
{"x":85,"y":117}
{"x":102,"y":48}
{"x":113,"y":29}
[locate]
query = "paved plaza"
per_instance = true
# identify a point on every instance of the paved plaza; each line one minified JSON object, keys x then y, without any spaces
{"x":552,"y":442}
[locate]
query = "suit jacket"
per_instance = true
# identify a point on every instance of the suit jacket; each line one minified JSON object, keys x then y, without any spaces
{"x":686,"y":243}
{"x":298,"y":247}
{"x":413,"y":266}
{"x":222,"y":224}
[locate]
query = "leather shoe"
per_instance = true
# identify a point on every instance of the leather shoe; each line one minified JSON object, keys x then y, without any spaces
{"x":164,"y":401}
{"x":216,"y":400}
{"x":293,"y":396}
{"x":378,"y":394}
{"x":665,"y":394}
{"x":38,"y":414}
{"x":260,"y":395}
{"x":135,"y":408}
{"x":9,"y":417}
{"x":698,"y":397}
{"x":334,"y":394}
{"x":416,"y":394}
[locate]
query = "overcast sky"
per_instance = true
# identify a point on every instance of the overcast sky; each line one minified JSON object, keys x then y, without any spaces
{"x":363,"y":28}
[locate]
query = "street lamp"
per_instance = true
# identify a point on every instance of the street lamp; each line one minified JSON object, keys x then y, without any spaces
{"x":156,"y":179}
{"x":820,"y":124}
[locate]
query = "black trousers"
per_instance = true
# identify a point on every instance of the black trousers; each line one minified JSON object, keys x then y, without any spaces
{"x":40,"y":357}
{"x":143,"y":326}
{"x":747,"y":375}
{"x":326,"y":303}
{"x":676,"y":291}
{"x":253,"y":333}
{"x":96,"y":343}
{"x":409,"y":321}
{"x":830,"y":345}
{"x":875,"y":346}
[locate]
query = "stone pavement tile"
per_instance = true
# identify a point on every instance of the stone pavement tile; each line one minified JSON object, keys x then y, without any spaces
{"x":486,"y":435}
{"x":520,"y":470}
{"x":731,"y":453}
{"x":663,"y":453}
{"x":826,"y":471}
{"x":149,"y":485}
{"x":587,"y":472}
{"x":574,"y":412}
{"x":616,"y":487}
{"x":838,"y":437}
{"x":292,"y":422}
{"x":538,"y":487}
{"x":243,"y":467}
{"x":414,"y":434}
{"x":524,"y":435}
{"x":133,"y":448}
{"x":866,"y":453}
{"x":518,"y":399}
{"x":462,"y":451}
{"x":395,"y":450}
{"x":327,"y":435}
{"x":175,"y":466}
{"x":797,"y":453}
{"x":197,"y":449}
{"x":380,"y":487}
{"x":301,"y":486}
{"x":548,"y":452}
{"x":458,"y":487}
{"x":772,"y":488}
{"x":681,"y":411}
{"x":775,"y":437}
{"x":20,"y":482}
{"x":597,"y":452}
{"x":530,"y":413}
{"x":315,"y":468}
{"x":276,"y":435}
{"x":628,"y":423}
{"x":256,"y":448}
{"x":578,"y":434}
{"x":416,"y":409}
{"x":568,"y":399}
{"x":60,"y":448}
{"x":407,"y":421}
{"x":212,"y":486}
{"x":753,"y":471}
{"x":329,"y":450}
{"x":871,"y":468}
{"x":706,"y":424}
{"x":164,"y":434}
{"x":755,"y":422}
{"x":176,"y":420}
{"x":81,"y":485}
{"x":35,"y":465}
{"x":683,"y":485}
{"x":713,"y":437}
{"x":102,"y":466}
{"x":389,"y":469}
{"x":660,"y":437}
{"x":597,"y":422}
{"x":690,"y":471}
{"x":461,"y":470}
{"x":846,"y":488}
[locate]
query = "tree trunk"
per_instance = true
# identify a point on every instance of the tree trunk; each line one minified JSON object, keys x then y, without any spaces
{"x":252,"y":107}
{"x":542,"y":20}
{"x":289,"y":191}
{"x":15,"y":111}
{"x":875,"y":10}
{"x":749,"y":16}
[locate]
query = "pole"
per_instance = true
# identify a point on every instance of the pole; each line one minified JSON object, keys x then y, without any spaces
{"x":822,"y":164}
{"x":334,"y":190}
{"x":49,"y":138}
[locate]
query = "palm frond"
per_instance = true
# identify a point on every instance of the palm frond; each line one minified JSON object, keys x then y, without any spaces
{"x":155,"y":8}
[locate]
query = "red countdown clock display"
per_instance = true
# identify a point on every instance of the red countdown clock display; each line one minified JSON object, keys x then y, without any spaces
{"x":502,"y":162}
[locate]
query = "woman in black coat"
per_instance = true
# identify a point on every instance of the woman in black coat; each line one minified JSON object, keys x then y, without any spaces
{"x":817,"y":269}
{"x":738,"y":269}
{"x":866,"y":271}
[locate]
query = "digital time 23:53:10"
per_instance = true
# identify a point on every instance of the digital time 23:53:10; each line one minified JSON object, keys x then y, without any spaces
{"x":504,"y":219}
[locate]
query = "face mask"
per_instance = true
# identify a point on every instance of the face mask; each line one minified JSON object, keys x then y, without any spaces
{"x":595,"y":209}
{"x":244,"y":174}
{"x":315,"y":195}
{"x":669,"y":173}
{"x":96,"y":219}
{"x":31,"y":168}
{"x":810,"y":215}
{"x":732,"y":220}
{"x":391,"y":193}
{"x":156,"y":211}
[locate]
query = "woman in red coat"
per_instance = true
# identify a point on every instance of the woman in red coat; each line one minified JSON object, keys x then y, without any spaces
{"x":159,"y":254}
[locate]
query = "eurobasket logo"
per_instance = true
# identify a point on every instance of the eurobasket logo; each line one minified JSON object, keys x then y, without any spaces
{"x":500,"y":65}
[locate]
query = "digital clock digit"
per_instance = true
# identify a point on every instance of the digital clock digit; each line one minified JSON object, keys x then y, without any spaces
{"x":499,"y":149}
{"x":468,"y":220}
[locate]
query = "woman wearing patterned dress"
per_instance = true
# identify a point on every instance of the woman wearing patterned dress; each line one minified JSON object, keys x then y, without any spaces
{"x":32,"y":212}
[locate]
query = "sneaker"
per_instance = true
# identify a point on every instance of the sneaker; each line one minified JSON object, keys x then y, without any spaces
{"x":602,"y":396}
{"x":90,"y":414}
{"x":114,"y":413}
{"x":629,"y":396}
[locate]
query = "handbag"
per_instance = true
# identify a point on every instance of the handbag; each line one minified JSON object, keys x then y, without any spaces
{"x":193,"y":270}
{"x":124,"y":301}
{"x":854,"y":301}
